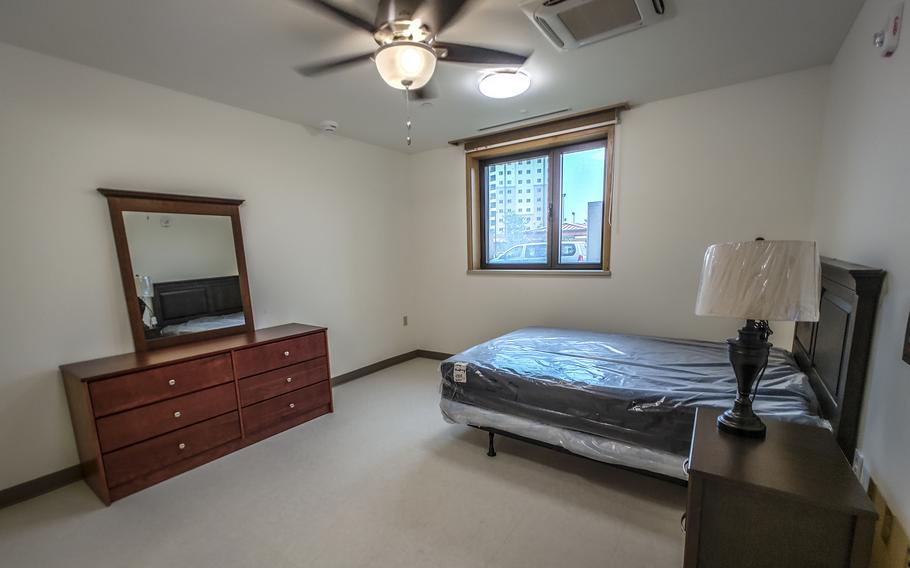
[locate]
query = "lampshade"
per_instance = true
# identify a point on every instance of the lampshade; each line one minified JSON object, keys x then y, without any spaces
{"x":144,"y":286}
{"x":761,"y":280}
{"x":402,"y":61}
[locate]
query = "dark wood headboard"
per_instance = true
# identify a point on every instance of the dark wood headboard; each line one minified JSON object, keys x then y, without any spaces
{"x":183,"y":300}
{"x":834,"y":351}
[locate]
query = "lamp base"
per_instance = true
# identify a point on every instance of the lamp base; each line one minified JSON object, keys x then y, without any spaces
{"x":741,"y":424}
{"x":748,"y":355}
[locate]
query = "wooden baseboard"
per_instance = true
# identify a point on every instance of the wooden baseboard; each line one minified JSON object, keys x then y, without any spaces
{"x":438,"y":355}
{"x":56,"y":480}
{"x":386,"y":363}
{"x":370,"y":369}
{"x":40,"y":485}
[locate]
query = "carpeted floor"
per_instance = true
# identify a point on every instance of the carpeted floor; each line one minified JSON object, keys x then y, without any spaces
{"x":383,"y":482}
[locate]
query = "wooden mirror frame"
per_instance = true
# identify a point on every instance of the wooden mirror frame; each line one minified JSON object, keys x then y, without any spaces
{"x":119,"y":201}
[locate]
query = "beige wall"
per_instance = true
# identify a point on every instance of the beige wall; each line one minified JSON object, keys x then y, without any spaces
{"x":326,"y":240}
{"x":862,"y":207}
{"x":727,"y":164}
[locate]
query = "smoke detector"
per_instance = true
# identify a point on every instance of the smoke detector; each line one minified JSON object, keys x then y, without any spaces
{"x":328,"y":126}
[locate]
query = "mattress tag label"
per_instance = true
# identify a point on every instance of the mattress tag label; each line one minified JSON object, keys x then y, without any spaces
{"x":461,"y":373}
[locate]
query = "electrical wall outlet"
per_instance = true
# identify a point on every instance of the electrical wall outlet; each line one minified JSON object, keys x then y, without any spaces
{"x":404,"y":321}
{"x":887,"y":525}
{"x":890,"y":545}
{"x":860,"y":470}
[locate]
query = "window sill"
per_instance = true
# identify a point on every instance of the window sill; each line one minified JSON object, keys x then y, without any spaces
{"x":520,"y":272}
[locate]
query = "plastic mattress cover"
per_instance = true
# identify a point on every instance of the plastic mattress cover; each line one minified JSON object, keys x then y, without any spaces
{"x":642,"y":391}
{"x":588,"y":445}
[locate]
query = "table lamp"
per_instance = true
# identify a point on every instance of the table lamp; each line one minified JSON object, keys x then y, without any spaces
{"x":146,"y":293}
{"x":757,"y":281}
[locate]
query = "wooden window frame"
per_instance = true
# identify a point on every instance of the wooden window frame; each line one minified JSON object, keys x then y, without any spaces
{"x":477,"y":216}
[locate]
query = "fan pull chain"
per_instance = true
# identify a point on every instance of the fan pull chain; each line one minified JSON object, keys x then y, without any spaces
{"x":407,"y":106}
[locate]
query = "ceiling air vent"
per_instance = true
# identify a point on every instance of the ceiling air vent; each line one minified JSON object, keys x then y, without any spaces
{"x":570,"y":24}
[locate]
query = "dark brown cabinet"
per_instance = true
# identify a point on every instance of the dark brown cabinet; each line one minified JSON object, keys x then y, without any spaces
{"x":141,"y":418}
{"x":788,"y":500}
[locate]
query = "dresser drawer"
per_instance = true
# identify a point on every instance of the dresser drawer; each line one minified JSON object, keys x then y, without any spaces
{"x":142,"y":458}
{"x":137,"y":389}
{"x":261,"y":387}
{"x":279,"y":354}
{"x":284,"y":407}
{"x":133,"y":426}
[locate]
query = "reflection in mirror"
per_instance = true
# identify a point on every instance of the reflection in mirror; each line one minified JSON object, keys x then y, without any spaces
{"x":185,"y":268}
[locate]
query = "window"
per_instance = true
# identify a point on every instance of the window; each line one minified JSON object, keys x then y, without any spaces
{"x":562,"y":222}
{"x":572,"y":191}
{"x":514,"y":253}
{"x":536,"y":252}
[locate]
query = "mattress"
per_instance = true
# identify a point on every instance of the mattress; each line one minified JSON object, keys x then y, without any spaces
{"x":207,"y":323}
{"x":588,"y":445}
{"x":637,"y":390}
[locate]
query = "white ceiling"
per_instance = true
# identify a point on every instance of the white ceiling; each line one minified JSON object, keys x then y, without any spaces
{"x":242,"y":52}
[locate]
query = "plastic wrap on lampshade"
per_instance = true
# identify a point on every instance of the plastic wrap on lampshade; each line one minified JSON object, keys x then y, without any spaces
{"x":761,"y":280}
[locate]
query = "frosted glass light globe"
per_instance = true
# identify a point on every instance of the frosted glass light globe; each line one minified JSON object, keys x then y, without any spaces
{"x":504,"y":84}
{"x":406,"y":64}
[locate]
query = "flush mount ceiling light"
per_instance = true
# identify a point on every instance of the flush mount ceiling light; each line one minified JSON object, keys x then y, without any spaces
{"x":504,"y":84}
{"x":406,"y":64}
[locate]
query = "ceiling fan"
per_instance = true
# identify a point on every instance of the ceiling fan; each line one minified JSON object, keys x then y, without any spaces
{"x":406,"y":31}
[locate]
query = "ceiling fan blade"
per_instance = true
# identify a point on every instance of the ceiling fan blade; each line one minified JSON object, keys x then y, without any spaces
{"x":314,"y":69}
{"x":426,"y":92}
{"x":342,"y":14}
{"x":440,"y":14}
{"x":461,"y":53}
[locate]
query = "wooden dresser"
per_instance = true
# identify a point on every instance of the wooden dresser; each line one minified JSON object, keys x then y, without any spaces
{"x":789,"y":500}
{"x":141,"y":418}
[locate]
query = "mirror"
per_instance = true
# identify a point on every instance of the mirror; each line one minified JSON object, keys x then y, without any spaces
{"x":185,"y":270}
{"x":182,"y":264}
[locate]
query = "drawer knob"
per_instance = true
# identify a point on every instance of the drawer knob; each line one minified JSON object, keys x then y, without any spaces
{"x":287,"y":353}
{"x":289,"y":379}
{"x":181,"y":446}
{"x":172,"y":382}
{"x":291,"y":405}
{"x":177,"y":414}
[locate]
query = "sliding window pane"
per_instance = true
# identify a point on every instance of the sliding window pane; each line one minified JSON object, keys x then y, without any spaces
{"x":516,"y":198}
{"x":582,"y":204}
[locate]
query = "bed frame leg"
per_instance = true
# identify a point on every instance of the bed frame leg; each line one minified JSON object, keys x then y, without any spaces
{"x":492,"y":451}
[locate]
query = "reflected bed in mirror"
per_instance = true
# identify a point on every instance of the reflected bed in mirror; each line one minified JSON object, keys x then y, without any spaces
{"x":182,"y":265}
{"x":185,"y":270}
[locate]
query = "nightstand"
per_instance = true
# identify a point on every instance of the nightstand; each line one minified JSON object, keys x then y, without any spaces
{"x":788,"y":500}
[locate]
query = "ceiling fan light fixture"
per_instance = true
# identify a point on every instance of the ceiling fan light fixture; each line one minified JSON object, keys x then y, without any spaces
{"x":404,"y":64}
{"x":504,"y":84}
